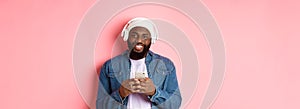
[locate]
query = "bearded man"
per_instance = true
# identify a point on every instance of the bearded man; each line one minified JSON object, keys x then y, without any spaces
{"x":138,"y":78}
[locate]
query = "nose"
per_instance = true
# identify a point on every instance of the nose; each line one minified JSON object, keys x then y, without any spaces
{"x":139,"y":39}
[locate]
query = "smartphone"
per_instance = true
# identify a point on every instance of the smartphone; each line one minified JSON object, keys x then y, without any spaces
{"x":140,"y":75}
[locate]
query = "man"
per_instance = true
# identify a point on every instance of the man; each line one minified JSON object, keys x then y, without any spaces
{"x":138,"y":78}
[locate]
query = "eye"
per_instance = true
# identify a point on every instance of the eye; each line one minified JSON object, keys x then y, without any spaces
{"x":145,"y":36}
{"x":133,"y":35}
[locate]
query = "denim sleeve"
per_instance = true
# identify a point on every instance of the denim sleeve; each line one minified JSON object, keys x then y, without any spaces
{"x":167,"y":97}
{"x":106,"y":98}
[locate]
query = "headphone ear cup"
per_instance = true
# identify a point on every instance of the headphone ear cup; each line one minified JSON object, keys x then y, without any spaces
{"x":155,"y":32}
{"x":125,"y":37}
{"x":124,"y":32}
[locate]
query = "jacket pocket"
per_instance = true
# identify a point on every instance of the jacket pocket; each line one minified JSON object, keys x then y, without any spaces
{"x":115,"y":79}
{"x":159,"y":77}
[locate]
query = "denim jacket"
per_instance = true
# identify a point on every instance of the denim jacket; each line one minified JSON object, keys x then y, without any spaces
{"x":161,"y":71}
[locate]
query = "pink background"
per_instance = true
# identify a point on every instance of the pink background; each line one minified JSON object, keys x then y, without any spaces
{"x":260,"y":38}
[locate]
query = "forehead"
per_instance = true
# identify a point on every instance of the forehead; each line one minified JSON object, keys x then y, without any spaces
{"x":139,"y":29}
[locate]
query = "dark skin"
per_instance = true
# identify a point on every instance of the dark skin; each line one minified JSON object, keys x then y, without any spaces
{"x":139,"y":42}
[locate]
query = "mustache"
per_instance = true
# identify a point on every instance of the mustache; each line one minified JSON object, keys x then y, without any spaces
{"x":139,"y":43}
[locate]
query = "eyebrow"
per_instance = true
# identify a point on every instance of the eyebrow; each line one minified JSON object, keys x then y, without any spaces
{"x":142,"y":34}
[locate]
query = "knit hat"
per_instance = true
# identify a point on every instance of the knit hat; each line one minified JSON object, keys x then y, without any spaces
{"x":140,"y":22}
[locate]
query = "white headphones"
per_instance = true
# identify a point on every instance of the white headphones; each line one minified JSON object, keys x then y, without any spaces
{"x":142,"y":22}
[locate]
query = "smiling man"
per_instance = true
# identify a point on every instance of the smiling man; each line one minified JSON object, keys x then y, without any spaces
{"x":138,"y":78}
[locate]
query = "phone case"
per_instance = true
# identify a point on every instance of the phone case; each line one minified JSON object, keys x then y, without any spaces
{"x":139,"y":75}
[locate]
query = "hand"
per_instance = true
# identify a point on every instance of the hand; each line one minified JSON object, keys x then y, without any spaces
{"x":129,"y":86}
{"x":147,"y":86}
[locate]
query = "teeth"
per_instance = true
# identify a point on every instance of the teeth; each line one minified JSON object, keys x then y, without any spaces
{"x":138,"y":47}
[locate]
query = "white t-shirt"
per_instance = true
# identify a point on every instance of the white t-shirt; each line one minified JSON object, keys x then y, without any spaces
{"x":138,"y":101}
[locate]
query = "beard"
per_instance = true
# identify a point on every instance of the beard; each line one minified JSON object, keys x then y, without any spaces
{"x":139,"y":55}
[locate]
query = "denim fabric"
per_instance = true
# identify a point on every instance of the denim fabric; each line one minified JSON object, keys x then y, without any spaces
{"x":160,"y":69}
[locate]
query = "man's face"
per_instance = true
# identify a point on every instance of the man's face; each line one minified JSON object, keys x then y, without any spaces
{"x":139,"y":42}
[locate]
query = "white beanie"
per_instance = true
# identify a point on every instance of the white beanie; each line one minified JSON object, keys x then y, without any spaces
{"x":140,"y":22}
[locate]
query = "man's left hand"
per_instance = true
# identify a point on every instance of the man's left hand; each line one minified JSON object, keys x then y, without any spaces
{"x":147,"y":86}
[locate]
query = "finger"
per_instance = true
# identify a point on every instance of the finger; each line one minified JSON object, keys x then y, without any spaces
{"x":144,"y":84}
{"x":136,"y":89}
{"x":143,"y":88}
{"x":142,"y":80}
{"x":147,"y":80}
{"x":127,"y":86}
{"x":134,"y":79}
{"x":131,"y":82}
{"x":137,"y":82}
{"x":144,"y":91}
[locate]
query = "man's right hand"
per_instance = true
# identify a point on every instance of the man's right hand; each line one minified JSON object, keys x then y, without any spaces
{"x":129,"y":86}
